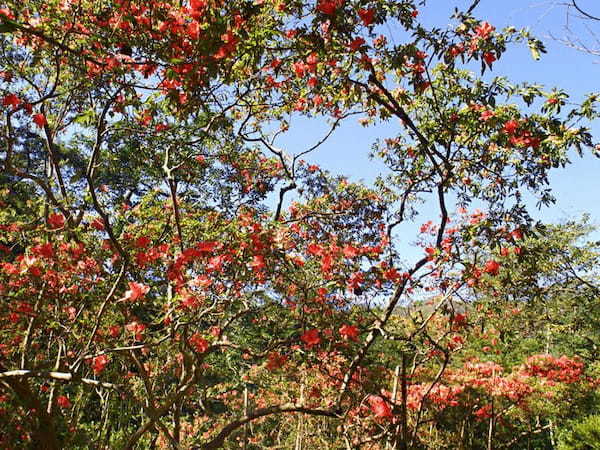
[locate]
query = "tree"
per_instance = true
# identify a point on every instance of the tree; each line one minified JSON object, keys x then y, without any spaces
{"x":524,"y":365}
{"x":158,"y":285}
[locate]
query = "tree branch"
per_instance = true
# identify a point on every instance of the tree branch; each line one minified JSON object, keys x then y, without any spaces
{"x":219,"y":440}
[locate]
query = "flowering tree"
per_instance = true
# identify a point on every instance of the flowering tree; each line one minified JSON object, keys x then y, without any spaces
{"x":172,"y":277}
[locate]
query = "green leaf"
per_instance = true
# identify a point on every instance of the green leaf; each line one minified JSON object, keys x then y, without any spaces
{"x":535,"y":54}
{"x":536,"y":48}
{"x":86,"y":118}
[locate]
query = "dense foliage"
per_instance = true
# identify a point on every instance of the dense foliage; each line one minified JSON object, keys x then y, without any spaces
{"x":170,"y":277}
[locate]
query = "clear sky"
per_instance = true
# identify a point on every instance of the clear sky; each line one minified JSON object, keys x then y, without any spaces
{"x":575,"y":187}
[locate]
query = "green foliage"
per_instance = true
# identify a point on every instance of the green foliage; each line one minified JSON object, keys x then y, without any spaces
{"x":584,"y":435}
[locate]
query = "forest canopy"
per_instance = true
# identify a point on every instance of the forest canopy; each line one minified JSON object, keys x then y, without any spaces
{"x":172,"y":276}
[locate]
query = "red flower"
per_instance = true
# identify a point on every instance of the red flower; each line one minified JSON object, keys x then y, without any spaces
{"x":315,"y":249}
{"x":136,"y":328}
{"x":350,"y":251}
{"x":312,"y":60}
{"x":6,"y":13}
{"x":510,"y":127}
{"x":136,"y":291}
{"x":199,"y":343}
{"x":63,"y":401}
{"x":43,"y":250}
{"x":300,"y":68}
{"x":275,"y":360}
{"x":222,"y":53}
{"x":329,"y":6}
{"x":40,"y":120}
{"x":201,"y":281}
{"x":356,"y":44}
{"x":258,"y":262}
{"x":366,"y":15}
{"x":197,"y":4}
{"x":99,"y":363}
{"x":98,"y":224}
{"x":142,"y":242}
{"x":311,"y":338}
{"x":492,"y":267}
{"x":484,"y":30}
{"x":460,"y":319}
{"x":485,"y":412}
{"x":516,"y":234}
{"x":208,"y":246}
{"x":431,"y":251}
{"x":420,"y":55}
{"x":349,"y":332}
{"x":456,"y":50}
{"x":489,"y":57}
{"x":193,"y":30}
{"x":327,"y":263}
{"x":56,"y":220}
{"x":486,"y":115}
{"x":11,"y":100}
{"x":215,"y":264}
{"x":392,"y":275}
{"x":379,"y":406}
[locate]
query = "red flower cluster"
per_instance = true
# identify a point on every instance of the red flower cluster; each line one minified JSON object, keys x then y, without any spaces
{"x":484,"y":30}
{"x":99,"y":363}
{"x":40,"y":120}
{"x":136,"y":291}
{"x":198,"y":343}
{"x":563,"y":369}
{"x":492,"y":267}
{"x":367,"y":16}
{"x":379,"y":406}
{"x":56,"y":220}
{"x":349,"y":332}
{"x":311,"y":338}
{"x":63,"y":401}
{"x":329,"y":7}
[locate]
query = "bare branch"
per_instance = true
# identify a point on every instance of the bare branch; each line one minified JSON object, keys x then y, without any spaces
{"x":581,"y":11}
{"x":61,"y":376}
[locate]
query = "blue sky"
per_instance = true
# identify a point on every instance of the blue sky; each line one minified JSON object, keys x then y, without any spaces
{"x":576,"y":186}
